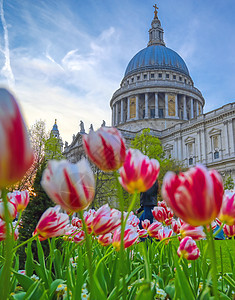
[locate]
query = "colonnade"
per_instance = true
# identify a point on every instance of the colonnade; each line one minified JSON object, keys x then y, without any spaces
{"x":189,"y":107}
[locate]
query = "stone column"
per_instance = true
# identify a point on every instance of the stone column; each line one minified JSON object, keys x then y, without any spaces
{"x":117,"y":113}
{"x":128,"y":108}
{"x":176,"y":106}
{"x":122,"y":111}
{"x":166,"y":105}
{"x":113,"y":115}
{"x":197,"y":109}
{"x":199,"y":145}
{"x":192,"y":114}
{"x":156,"y":105}
{"x":226,"y":138}
{"x":185,"y":107}
{"x":137,"y":107}
{"x":146,"y":106}
{"x":231,"y":134}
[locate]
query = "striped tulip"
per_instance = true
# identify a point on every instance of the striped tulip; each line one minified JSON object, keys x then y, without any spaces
{"x":105,"y":239}
{"x":70,"y":185}
{"x":51,"y":224}
{"x":12,"y":211}
{"x":105,"y":148}
{"x":164,"y":233}
{"x":76,"y":222}
{"x":195,"y":196}
{"x":138,"y":172}
{"x":88,"y":218}
{"x":75,"y":235}
{"x":145,"y":224}
{"x":21,"y":199}
{"x":130,"y":237}
{"x":143,"y":233}
{"x":229,"y":230}
{"x":175,"y":225}
{"x":227,"y":213}
{"x":133,"y":220}
{"x":16,"y":153}
{"x":2,"y":230}
{"x":153,"y":229}
{"x":188,"y":249}
{"x":196,"y":233}
{"x":159,"y":213}
{"x":106,"y":220}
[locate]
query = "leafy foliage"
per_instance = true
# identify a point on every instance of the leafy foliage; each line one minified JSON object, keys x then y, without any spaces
{"x":229,"y":183}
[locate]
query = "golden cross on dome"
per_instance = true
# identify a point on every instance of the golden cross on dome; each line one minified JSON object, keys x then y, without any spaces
{"x":155,"y":11}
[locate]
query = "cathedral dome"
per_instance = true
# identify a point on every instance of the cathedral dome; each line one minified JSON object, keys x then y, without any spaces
{"x":156,"y":57}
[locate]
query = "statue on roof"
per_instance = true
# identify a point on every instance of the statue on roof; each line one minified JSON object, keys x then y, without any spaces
{"x":103,"y":124}
{"x":82,"y":129}
{"x":91,"y":128}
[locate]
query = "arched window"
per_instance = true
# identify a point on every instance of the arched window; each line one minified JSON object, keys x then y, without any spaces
{"x":190,"y":161}
{"x":216,"y":154}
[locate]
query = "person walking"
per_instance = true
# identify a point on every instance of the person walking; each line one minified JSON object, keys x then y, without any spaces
{"x":148,"y":200}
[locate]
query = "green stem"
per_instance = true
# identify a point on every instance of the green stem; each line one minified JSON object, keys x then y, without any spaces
{"x":165,"y":239}
{"x":25,"y":242}
{"x":88,"y":248}
{"x":218,"y":231}
{"x":6,"y":272}
{"x":210,"y":240}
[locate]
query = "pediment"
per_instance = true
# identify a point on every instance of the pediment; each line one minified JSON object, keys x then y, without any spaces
{"x":168,"y":147}
{"x":215,"y":131}
{"x":189,"y":140}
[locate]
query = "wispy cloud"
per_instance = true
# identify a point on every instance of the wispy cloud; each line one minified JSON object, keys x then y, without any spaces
{"x":6,"y":69}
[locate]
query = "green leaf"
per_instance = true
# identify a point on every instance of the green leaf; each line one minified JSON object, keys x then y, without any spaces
{"x":54,"y":286}
{"x":19,"y":296}
{"x":57,"y":264}
{"x":229,"y":280}
{"x":29,"y":261}
{"x":145,"y":293}
{"x":24,"y":280}
{"x":33,"y":292}
{"x":41,"y":259}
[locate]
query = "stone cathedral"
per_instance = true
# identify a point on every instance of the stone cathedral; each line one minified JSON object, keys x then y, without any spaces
{"x":157,"y":92}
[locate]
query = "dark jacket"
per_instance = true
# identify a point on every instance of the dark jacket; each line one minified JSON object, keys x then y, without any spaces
{"x":149,"y":198}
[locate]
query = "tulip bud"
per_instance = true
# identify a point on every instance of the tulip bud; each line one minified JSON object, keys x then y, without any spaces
{"x":12,"y":211}
{"x":153,"y":229}
{"x":229,"y":230}
{"x":159,"y":213}
{"x":145,"y":224}
{"x":21,"y":199}
{"x":16,"y":152}
{"x":130,"y":237}
{"x":196,"y":233}
{"x":163,"y":233}
{"x":105,"y":239}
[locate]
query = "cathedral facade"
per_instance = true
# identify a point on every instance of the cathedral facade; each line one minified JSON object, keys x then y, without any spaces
{"x":157,"y":92}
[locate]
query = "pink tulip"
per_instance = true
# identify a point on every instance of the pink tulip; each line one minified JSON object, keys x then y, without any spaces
{"x":105,"y":148}
{"x":2,"y":230}
{"x":16,"y":152}
{"x":188,"y":249}
{"x":153,"y":229}
{"x":162,"y":204}
{"x":70,"y":185}
{"x":20,"y":198}
{"x":195,"y":196}
{"x":130,"y":237}
{"x":229,"y":230}
{"x":195,"y":233}
{"x":105,"y":239}
{"x":12,"y":211}
{"x":145,"y":224}
{"x":159,"y":213}
{"x":138,"y":172}
{"x":76,"y":222}
{"x":52,"y":223}
{"x":106,"y":220}
{"x":227,"y":213}
{"x":164,"y":233}
{"x":168,"y":222}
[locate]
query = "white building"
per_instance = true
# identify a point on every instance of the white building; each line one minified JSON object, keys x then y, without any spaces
{"x":157,"y":92}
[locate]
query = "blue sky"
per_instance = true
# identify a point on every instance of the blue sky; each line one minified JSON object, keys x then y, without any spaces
{"x":65,"y":58}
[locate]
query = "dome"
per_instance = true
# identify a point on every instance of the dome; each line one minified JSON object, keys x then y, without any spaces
{"x":156,"y":57}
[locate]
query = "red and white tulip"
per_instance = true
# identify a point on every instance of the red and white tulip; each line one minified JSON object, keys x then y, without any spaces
{"x":159,"y":213}
{"x":196,"y":233}
{"x":130,"y":237}
{"x":72,"y":186}
{"x":188,"y":249}
{"x":105,"y":239}
{"x":164,"y":233}
{"x":12,"y":211}
{"x":138,"y":172}
{"x":153,"y":229}
{"x":229,"y":230}
{"x":20,"y":198}
{"x":105,"y":148}
{"x":195,"y":196}
{"x":227,"y":213}
{"x":52,"y":223}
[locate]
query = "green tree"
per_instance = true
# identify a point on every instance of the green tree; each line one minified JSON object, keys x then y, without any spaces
{"x":39,"y":202}
{"x":151,"y":146}
{"x":229,"y":183}
{"x":53,"y":148}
